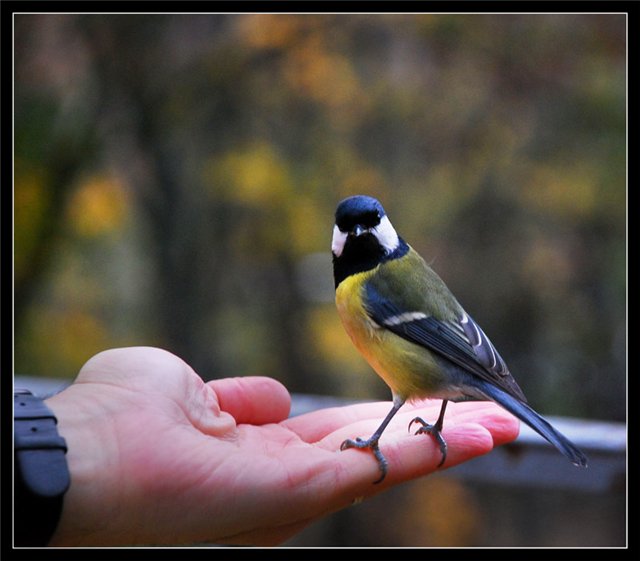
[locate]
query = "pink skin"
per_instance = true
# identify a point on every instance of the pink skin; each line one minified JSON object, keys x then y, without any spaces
{"x":157,"y":456}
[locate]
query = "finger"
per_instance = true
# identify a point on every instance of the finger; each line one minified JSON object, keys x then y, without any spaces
{"x":417,"y":455}
{"x":473,"y":430}
{"x":502,"y":426}
{"x":350,"y":475}
{"x":314,"y":426}
{"x":254,"y":400}
{"x":412,"y":456}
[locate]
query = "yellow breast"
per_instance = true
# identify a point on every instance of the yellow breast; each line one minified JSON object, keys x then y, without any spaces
{"x":408,"y":369}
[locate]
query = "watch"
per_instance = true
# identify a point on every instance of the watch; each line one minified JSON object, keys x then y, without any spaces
{"x":41,"y":475}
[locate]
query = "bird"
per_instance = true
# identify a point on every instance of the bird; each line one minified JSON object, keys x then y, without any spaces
{"x":413,"y":332}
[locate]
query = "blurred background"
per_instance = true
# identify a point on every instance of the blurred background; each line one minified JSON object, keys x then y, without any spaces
{"x":175,"y":183}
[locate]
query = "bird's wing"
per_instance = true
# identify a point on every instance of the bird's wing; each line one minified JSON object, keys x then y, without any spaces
{"x":459,"y":339}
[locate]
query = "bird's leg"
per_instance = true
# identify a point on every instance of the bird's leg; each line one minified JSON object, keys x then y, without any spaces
{"x":372,"y":442}
{"x":434,"y":430}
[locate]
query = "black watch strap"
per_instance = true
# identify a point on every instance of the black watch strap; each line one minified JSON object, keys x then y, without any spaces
{"x":41,"y":476}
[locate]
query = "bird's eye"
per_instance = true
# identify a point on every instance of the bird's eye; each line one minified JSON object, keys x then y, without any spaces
{"x":370,"y":219}
{"x":367,"y":220}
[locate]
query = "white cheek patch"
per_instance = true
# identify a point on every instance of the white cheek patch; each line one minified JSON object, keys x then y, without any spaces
{"x":339,"y":239}
{"x":386,"y":235}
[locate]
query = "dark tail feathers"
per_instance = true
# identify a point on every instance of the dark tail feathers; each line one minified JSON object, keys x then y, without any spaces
{"x":536,"y":422}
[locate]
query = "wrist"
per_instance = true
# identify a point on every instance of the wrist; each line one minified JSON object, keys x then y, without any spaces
{"x":86,"y":509}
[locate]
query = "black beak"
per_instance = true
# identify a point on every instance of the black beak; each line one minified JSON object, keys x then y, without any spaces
{"x":358,"y":230}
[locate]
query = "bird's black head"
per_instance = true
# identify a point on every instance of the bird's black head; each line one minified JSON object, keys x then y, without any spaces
{"x":363,"y":237}
{"x":360,"y":211}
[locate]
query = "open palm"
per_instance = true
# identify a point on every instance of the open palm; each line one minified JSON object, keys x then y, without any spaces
{"x":157,"y":456}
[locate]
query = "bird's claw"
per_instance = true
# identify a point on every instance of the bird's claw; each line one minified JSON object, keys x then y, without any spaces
{"x":373,"y":445}
{"x":357,"y":443}
{"x":434,"y":431}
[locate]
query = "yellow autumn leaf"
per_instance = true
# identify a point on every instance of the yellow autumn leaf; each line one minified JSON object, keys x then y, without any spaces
{"x":98,"y":207}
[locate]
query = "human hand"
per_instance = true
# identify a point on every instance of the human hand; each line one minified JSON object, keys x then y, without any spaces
{"x":157,"y":456}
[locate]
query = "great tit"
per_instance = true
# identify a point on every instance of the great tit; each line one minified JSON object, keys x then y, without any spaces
{"x":413,"y":332}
